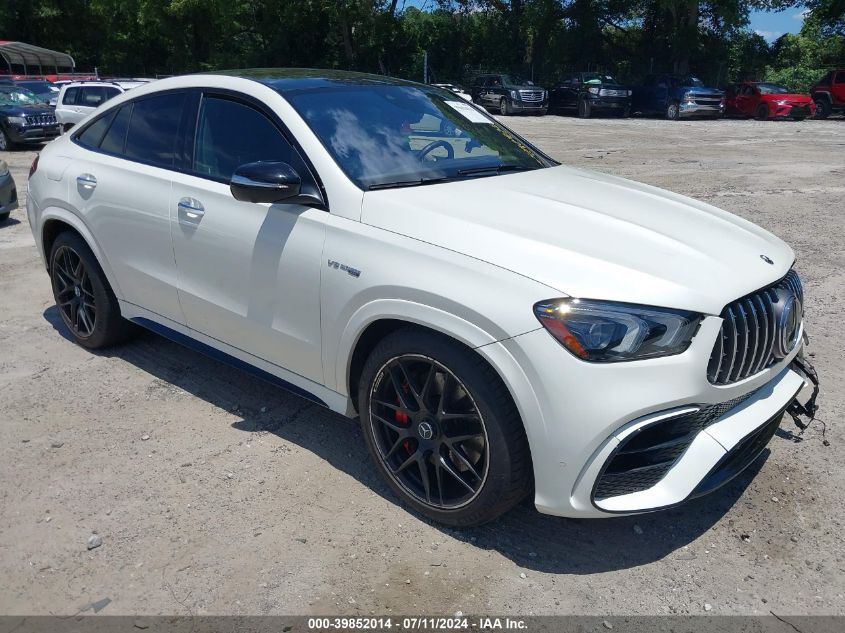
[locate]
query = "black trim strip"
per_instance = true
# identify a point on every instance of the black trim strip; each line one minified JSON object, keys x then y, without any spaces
{"x":216,"y":354}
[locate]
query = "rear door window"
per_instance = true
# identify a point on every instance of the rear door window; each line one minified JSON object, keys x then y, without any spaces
{"x":153,"y":128}
{"x":91,"y":96}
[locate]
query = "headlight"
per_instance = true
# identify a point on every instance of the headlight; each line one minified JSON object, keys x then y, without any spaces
{"x":514,"y":95}
{"x":630,"y":92}
{"x":689,"y":97}
{"x":782,"y":102}
{"x":593,"y":90}
{"x":16,"y":120}
{"x":604,"y":331}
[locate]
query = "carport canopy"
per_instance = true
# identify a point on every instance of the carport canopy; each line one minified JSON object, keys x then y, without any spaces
{"x":25,"y":59}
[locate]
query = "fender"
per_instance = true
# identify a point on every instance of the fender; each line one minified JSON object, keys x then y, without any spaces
{"x":402,"y":310}
{"x":73,"y":220}
{"x":825,"y":94}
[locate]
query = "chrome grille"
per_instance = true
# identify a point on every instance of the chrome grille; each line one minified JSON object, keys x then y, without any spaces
{"x":708,"y":101}
{"x":41,"y":119}
{"x":531,"y":96}
{"x":746,"y":342}
{"x":607,"y":92}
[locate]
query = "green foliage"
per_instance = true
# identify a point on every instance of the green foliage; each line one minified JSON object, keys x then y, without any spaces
{"x":536,"y":38}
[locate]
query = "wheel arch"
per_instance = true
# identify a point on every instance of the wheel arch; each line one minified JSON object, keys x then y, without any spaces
{"x":55,"y":221}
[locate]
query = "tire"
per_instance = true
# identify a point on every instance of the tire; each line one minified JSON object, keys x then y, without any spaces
{"x":6,"y":144}
{"x":798,"y":118}
{"x":504,"y":108}
{"x":4,"y":216}
{"x":98,"y":324}
{"x":673,"y":111}
{"x":492,"y":460}
{"x":625,"y":114}
{"x":823,"y":109}
{"x":762,"y":113}
{"x":585,"y":110}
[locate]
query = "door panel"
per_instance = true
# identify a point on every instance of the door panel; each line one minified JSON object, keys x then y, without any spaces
{"x":249,"y":274}
{"x":126,"y":206}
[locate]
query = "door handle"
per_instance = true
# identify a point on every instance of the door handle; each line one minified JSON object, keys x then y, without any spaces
{"x":191,"y":207}
{"x":86,"y":181}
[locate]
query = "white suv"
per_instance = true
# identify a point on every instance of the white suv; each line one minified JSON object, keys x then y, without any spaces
{"x":79,"y":99}
{"x":501,"y":324}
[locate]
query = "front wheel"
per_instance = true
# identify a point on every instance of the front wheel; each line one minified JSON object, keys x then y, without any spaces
{"x":443,"y":429}
{"x":504,"y":107}
{"x":4,"y":216}
{"x":673,"y":111}
{"x":5,"y":142}
{"x":585,"y":110}
{"x":83,"y":296}
{"x":822,"y":108}
{"x":762,"y":112}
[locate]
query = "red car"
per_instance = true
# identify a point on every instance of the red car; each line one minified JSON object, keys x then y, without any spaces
{"x":767,"y":101}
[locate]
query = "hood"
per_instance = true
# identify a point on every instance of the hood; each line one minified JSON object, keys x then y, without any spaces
{"x":21,"y":110}
{"x":522,"y":87}
{"x":590,"y":235}
{"x":607,"y":86}
{"x":703,"y":91}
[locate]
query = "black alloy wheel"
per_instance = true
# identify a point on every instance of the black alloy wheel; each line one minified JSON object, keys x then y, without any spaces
{"x":74,"y":292}
{"x":85,"y":301}
{"x":762,"y":112}
{"x":428,"y":431}
{"x":442,"y":428}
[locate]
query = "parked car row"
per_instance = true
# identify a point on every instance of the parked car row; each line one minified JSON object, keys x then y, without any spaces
{"x":673,"y":96}
{"x":36,"y":110}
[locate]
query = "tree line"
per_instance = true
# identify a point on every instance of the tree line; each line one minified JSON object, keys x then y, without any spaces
{"x":538,"y":39}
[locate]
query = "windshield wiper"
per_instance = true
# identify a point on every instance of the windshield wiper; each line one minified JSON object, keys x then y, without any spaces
{"x":493,"y":169}
{"x":408,"y":183}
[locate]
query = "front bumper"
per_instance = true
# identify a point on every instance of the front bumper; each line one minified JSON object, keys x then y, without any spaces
{"x":609,"y":103}
{"x":529,"y":106}
{"x":699,"y":109}
{"x":34,"y":134}
{"x":578,"y":413}
{"x":788,"y":110}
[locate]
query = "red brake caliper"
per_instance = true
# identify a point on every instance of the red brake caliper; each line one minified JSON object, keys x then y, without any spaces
{"x":404,"y":419}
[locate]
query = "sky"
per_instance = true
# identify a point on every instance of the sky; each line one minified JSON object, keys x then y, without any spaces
{"x":773,"y":25}
{"x":768,"y":24}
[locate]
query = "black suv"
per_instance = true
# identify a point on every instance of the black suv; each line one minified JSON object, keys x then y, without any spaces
{"x":509,"y":94}
{"x":24,"y":118}
{"x":588,"y":93}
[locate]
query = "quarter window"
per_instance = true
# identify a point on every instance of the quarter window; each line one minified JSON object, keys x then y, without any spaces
{"x":115,"y":138}
{"x":230,"y":134}
{"x":153,"y":129}
{"x":70,"y":96}
{"x":840,"y":78}
{"x":93,"y":134}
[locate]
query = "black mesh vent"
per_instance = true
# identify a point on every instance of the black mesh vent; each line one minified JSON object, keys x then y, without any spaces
{"x":644,"y":457}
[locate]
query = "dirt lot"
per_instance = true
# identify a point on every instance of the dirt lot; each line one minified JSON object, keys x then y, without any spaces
{"x":245,"y":500}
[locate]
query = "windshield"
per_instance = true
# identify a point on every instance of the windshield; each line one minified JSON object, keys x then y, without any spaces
{"x":595,"y":78}
{"x":516,"y":80}
{"x":391,"y":136}
{"x":772,"y":89}
{"x":38,"y":87}
{"x":18,"y":96}
{"x":689,"y":80}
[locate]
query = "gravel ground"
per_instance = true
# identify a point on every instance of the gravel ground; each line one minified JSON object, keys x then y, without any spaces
{"x":214,"y":493}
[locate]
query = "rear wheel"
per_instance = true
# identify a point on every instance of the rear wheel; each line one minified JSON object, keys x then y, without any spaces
{"x":822,"y":108}
{"x":442,"y":429}
{"x":83,"y":296}
{"x":762,"y":112}
{"x":5,"y":216}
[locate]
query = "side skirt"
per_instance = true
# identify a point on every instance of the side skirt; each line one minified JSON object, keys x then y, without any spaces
{"x":237,"y":358}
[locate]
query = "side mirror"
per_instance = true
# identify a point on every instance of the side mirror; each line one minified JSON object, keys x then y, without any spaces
{"x":265,"y":181}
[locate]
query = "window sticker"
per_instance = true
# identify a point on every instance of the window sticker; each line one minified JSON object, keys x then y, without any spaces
{"x":468,"y":112}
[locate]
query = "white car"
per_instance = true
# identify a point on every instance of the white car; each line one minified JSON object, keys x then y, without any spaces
{"x":501,"y":324}
{"x":78,"y":99}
